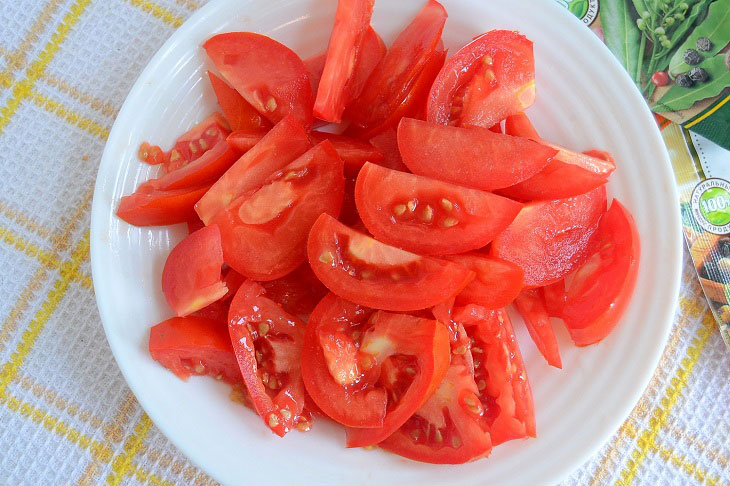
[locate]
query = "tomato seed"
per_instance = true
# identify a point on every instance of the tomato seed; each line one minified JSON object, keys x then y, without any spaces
{"x":264,"y":377}
{"x":175,"y":155}
{"x":456,"y":442}
{"x":460,"y":350}
{"x":271,"y":104}
{"x":203,"y":144}
{"x":412,"y":205}
{"x":395,"y":276}
{"x":399,"y":209}
{"x":411,"y":371}
{"x":489,"y":75}
{"x":199,"y":368}
{"x":481,"y":385}
{"x":273,"y":421}
{"x":327,"y":257}
{"x":285,"y":413}
{"x":449,"y":222}
{"x":304,"y":426}
{"x":476,"y":350}
{"x":446,"y":204}
{"x":416,"y":434}
{"x":428,"y":214}
{"x":273,"y":383}
{"x":487,"y":60}
{"x":438,"y":437}
{"x":263,"y":328}
{"x":193,"y":147}
{"x":211,"y":132}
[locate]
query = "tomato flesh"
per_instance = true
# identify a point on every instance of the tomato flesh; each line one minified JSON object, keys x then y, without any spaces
{"x":598,"y":293}
{"x":149,"y":206}
{"x":268,"y":343}
{"x":279,"y":147}
{"x":549,"y":239}
{"x":195,"y":346}
{"x":487,"y":80}
{"x":554,"y":296}
{"x":206,"y":169}
{"x":352,"y":20}
{"x":264,"y":231}
{"x":297,"y":292}
{"x":269,"y":75}
{"x":496,"y":284}
{"x":531,"y":307}
{"x":427,"y":216}
{"x":366,"y":271}
{"x":197,"y":141}
{"x":474,"y":157}
{"x":238,"y":112}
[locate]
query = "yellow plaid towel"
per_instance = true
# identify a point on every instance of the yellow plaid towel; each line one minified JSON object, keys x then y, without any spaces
{"x":66,"y":415}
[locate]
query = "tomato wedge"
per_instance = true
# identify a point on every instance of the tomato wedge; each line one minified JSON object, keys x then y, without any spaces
{"x":264,"y":231}
{"x":297,"y":292}
{"x":531,"y":307}
{"x":554,"y":295}
{"x":245,"y":140}
{"x":206,"y":169}
{"x":549,"y":239}
{"x":149,"y":206}
{"x":496,"y":284}
{"x":279,"y":147}
{"x":269,"y":75}
{"x":474,"y":157}
{"x":191,"y":278}
{"x":195,"y":346}
{"x":352,"y":20}
{"x":487,"y":80}
{"x":428,"y":216}
{"x":598,"y":293}
{"x":387,"y":143}
{"x":354,"y":153}
{"x":395,"y":75}
{"x":197,"y":141}
{"x":238,"y":112}
{"x":368,"y":272}
{"x":268,"y":344}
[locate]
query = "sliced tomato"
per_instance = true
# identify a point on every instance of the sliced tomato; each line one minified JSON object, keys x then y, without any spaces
{"x":428,"y":216}
{"x":279,"y":147}
{"x":152,"y":154}
{"x":366,"y":271}
{"x":195,"y":346}
{"x":315,"y":67}
{"x":387,"y":143}
{"x":496,"y":284}
{"x":238,"y":112}
{"x":554,"y":295}
{"x":352,"y":20}
{"x":354,"y":153}
{"x":194,"y":224}
{"x":297,"y":292}
{"x":531,"y":307}
{"x":197,"y":141}
{"x":474,"y":157}
{"x":371,"y":53}
{"x":244,"y":140}
{"x":499,"y":372}
{"x":394,"y":77}
{"x":264,"y":231}
{"x":598,"y":293}
{"x":268,"y":344}
{"x":217,"y":311}
{"x":549,"y":239}
{"x":269,"y":75}
{"x":191,"y":277}
{"x":206,"y":169}
{"x":487,"y":80}
{"x":371,"y":369}
{"x":149,"y":206}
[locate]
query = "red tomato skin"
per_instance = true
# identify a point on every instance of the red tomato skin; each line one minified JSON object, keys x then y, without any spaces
{"x":557,"y":180}
{"x":315,"y":66}
{"x":151,"y":207}
{"x":206,"y":169}
{"x":204,"y":342}
{"x":371,"y":53}
{"x":279,"y":147}
{"x":514,"y":80}
{"x":352,"y":20}
{"x":554,"y":295}
{"x":276,"y":91}
{"x":531,"y":307}
{"x":549,"y":239}
{"x":387,"y":143}
{"x":474,"y":157}
{"x":245,"y":140}
{"x":354,"y":153}
{"x":270,"y":246}
{"x":477,"y":216}
{"x":496,"y":284}
{"x":391,"y":81}
{"x":436,"y":280}
{"x":238,"y":112}
{"x":191,"y":277}
{"x":592,"y":314}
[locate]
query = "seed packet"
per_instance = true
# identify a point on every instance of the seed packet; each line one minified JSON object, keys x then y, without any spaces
{"x":678,"y":54}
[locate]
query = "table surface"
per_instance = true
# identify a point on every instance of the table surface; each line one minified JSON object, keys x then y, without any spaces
{"x":66,"y":414}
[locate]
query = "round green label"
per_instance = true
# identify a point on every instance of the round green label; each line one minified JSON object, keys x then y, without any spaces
{"x":715,"y":206}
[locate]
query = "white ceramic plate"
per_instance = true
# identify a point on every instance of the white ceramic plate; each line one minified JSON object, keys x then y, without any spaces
{"x":585,"y":100}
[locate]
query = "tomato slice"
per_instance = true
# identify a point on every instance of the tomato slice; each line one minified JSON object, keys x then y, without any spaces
{"x":549,"y":239}
{"x":352,"y":20}
{"x":269,"y":75}
{"x":354,"y":153}
{"x":428,"y":216}
{"x":191,"y":277}
{"x":496,"y":284}
{"x":279,"y":147}
{"x":264,"y":231}
{"x":204,"y":170}
{"x":315,"y":67}
{"x":531,"y":307}
{"x":474,"y":157}
{"x":245,"y":140}
{"x":387,"y":143}
{"x":487,"y":80}
{"x":149,"y":206}
{"x":238,"y":112}
{"x":598,"y":293}
{"x":267,"y":342}
{"x":197,"y":141}
{"x":368,"y":272}
{"x":297,"y":292}
{"x":395,"y":75}
{"x":554,"y":295}
{"x":152,"y":154}
{"x":195,"y":346}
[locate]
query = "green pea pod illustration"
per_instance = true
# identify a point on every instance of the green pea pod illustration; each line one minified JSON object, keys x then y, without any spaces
{"x":715,"y":27}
